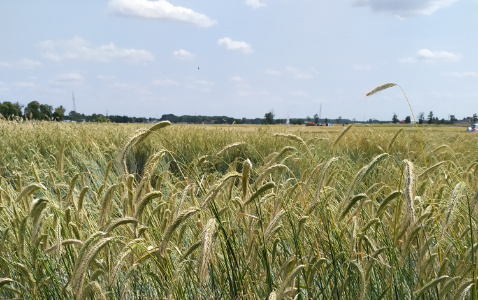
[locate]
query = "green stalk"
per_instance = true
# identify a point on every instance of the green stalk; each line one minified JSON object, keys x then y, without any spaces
{"x":473,"y":295}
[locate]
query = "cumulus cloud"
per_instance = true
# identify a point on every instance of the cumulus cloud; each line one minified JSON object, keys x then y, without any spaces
{"x":461,"y":74}
{"x":229,"y":44}
{"x":165,"y":82}
{"x":405,"y":8}
{"x":255,"y":3}
{"x":80,"y":49}
{"x":25,"y":63}
{"x":159,"y":9}
{"x":183,"y":54}
{"x":429,"y":55}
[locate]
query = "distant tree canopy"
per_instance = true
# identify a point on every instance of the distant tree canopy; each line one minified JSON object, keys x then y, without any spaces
{"x":9,"y":109}
{"x":38,"y":111}
{"x":208,"y":119}
{"x":269,"y":118}
{"x":421,"y":117}
{"x":453,"y":119}
{"x":34,"y":110}
{"x":316,"y":119}
{"x":395,"y":119}
{"x":59,"y":113}
{"x":430,"y":117}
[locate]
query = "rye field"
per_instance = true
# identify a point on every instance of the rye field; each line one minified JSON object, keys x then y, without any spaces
{"x":110,"y":211}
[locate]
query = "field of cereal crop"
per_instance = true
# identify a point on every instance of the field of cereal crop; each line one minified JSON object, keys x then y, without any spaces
{"x":110,"y":211}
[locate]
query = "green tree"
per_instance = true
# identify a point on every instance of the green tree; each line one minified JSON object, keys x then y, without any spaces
{"x":339,"y":120}
{"x":474,"y":119}
{"x":453,"y":119}
{"x":74,"y":116}
{"x":46,"y":111}
{"x":8,"y":109}
{"x":32,"y":110}
{"x":421,"y":117}
{"x":316,"y":119}
{"x":408,"y":120}
{"x":395,"y":119}
{"x":269,"y":117}
{"x":59,"y":113}
{"x":430,"y":117}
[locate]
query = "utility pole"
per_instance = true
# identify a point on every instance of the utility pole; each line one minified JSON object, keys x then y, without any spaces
{"x":320,"y":112}
{"x":74,"y":105}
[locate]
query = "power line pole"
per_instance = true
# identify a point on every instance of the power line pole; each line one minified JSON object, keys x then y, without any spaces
{"x":74,"y":105}
{"x":320,"y":112}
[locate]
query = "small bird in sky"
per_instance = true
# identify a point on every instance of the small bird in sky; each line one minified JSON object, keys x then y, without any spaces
{"x":198,"y":67}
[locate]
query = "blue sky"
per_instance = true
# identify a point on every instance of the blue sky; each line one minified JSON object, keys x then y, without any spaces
{"x":140,"y":58}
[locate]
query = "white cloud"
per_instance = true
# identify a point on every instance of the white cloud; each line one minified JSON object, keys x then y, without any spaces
{"x":68,"y":79}
{"x":165,"y":82}
{"x":255,"y":3}
{"x":183,"y":54}
{"x":159,"y":9}
{"x":461,"y":74}
{"x":25,"y":63}
{"x":429,"y":55}
{"x":80,"y":49}
{"x":299,"y":74}
{"x":229,"y":44}
{"x":404,"y":8}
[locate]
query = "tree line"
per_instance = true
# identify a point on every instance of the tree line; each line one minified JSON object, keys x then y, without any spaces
{"x":432,"y":119}
{"x":209,"y":119}
{"x":37,"y":111}
{"x":34,"y":110}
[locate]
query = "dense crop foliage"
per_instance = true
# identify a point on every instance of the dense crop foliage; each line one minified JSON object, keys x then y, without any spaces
{"x":180,"y":212}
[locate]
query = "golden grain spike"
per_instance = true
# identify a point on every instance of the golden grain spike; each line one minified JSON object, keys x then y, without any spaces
{"x":206,"y":248}
{"x":380,"y":88}
{"x":409,"y":179}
